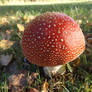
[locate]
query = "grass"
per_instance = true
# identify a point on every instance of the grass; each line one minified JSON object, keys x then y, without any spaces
{"x":78,"y":81}
{"x":79,"y":11}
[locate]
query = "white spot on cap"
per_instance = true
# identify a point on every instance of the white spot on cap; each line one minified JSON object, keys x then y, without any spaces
{"x":57,"y":36}
{"x":53,"y":33}
{"x":47,"y":50}
{"x":65,"y":32}
{"x":62,"y":28}
{"x":59,"y":31}
{"x":47,"y":45}
{"x":68,"y":51}
{"x":48,"y":36}
{"x":63,"y":47}
{"x":49,"y":26}
{"x":38,"y":37}
{"x":32,"y":42}
{"x":52,"y":40}
{"x":53,"y":46}
{"x":41,"y":33}
{"x":34,"y":39}
{"x":44,"y":23}
{"x":46,"y":28}
{"x":55,"y":39}
{"x":61,"y":40}
{"x":56,"y":49}
{"x":54,"y":25}
{"x":40,"y":28}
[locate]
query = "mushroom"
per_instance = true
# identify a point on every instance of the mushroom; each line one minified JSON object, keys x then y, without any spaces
{"x":52,"y":40}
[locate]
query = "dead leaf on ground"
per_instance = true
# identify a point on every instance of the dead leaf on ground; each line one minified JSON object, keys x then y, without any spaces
{"x":89,"y":24}
{"x":4,"y":21}
{"x":31,"y":78}
{"x":6,"y":44}
{"x":13,"y":17}
{"x":89,"y":40}
{"x":33,"y":90}
{"x":45,"y":87}
{"x":29,"y":18}
{"x":20,"y":27}
{"x":17,"y":82}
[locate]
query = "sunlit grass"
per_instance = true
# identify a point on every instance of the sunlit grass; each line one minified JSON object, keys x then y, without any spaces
{"x":40,"y":2}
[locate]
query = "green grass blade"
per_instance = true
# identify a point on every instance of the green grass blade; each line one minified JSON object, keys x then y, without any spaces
{"x":69,"y":67}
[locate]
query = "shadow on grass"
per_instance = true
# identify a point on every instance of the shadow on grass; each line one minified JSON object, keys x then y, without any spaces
{"x":35,"y":9}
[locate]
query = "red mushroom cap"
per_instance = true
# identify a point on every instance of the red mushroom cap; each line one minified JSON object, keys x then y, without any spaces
{"x":52,"y":39}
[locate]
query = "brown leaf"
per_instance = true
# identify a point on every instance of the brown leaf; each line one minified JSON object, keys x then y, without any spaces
{"x":13,"y":17}
{"x":17,"y":81}
{"x":20,"y":27}
{"x":45,"y":87}
{"x":89,"y":40}
{"x":33,"y":90}
{"x":5,"y":44}
{"x":4,"y":21}
{"x":89,"y":24}
{"x":31,"y":78}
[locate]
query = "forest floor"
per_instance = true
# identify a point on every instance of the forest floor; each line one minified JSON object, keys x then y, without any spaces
{"x":14,"y":67}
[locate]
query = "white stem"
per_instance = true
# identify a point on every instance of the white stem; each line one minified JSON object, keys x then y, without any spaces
{"x":60,"y":69}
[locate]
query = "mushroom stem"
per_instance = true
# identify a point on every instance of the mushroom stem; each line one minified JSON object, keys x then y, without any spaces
{"x":60,"y":69}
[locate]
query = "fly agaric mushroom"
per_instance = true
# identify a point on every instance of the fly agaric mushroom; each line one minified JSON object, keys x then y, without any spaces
{"x":52,"y":40}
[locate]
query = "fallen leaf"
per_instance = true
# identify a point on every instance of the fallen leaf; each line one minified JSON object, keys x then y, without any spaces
{"x":28,"y":19}
{"x":45,"y":87}
{"x":89,"y":40}
{"x":13,"y":17}
{"x":20,"y":27}
{"x":89,"y":24}
{"x":17,"y":82}
{"x":31,"y":78}
{"x":33,"y":90}
{"x":4,"y":21}
{"x":6,"y":44}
